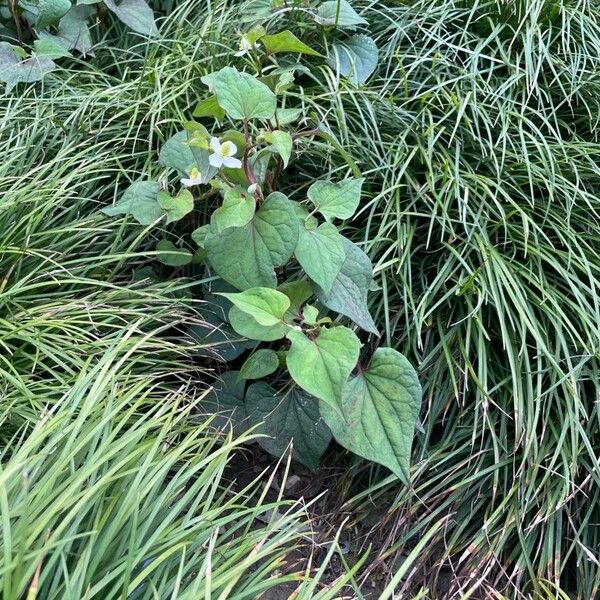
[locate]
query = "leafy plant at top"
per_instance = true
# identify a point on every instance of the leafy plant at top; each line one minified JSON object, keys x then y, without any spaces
{"x":55,"y":28}
{"x":281,"y":268}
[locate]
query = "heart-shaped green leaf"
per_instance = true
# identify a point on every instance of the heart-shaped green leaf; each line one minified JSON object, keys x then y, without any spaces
{"x":135,"y":14}
{"x":348,"y":294}
{"x":355,"y":58}
{"x":240,"y":95}
{"x":265,"y":305}
{"x":51,"y":11}
{"x":339,"y":199}
{"x":247,"y":256}
{"x":322,"y":365}
{"x":236,"y":211}
{"x":176,"y":207}
{"x":320,"y":253}
{"x":140,"y":200}
{"x":379,"y":410}
{"x":290,"y":417}
{"x":259,"y":364}
{"x":281,"y":141}
{"x":286,"y":41}
{"x":170,"y":254}
{"x":338,"y":13}
{"x":247,"y":326}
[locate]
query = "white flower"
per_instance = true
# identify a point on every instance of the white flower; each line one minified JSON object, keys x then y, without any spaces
{"x":194,"y":179}
{"x":223,"y":154}
{"x":246,"y":45}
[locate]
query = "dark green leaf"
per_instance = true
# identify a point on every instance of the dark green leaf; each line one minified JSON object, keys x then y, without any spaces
{"x":284,"y":418}
{"x":348,"y":295}
{"x":259,"y":364}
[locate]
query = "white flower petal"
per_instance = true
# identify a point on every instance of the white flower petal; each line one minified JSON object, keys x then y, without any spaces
{"x":241,"y":53}
{"x":186,"y":182}
{"x":232,"y":162}
{"x":228,"y":149}
{"x":216,"y":160}
{"x":215,"y":144}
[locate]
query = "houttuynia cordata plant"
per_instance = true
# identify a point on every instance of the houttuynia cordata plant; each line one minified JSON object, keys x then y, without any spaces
{"x":284,"y":277}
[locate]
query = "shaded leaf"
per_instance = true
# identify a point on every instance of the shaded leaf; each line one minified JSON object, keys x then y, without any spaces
{"x":135,"y":14}
{"x":170,"y":254}
{"x":259,"y":364}
{"x":290,"y":417}
{"x":348,"y":294}
{"x":226,"y":401}
{"x":209,"y":107}
{"x":355,"y":58}
{"x":140,"y":200}
{"x":13,"y":70}
{"x":51,"y":11}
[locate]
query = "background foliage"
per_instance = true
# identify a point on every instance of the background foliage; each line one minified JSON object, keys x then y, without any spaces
{"x":477,"y":134}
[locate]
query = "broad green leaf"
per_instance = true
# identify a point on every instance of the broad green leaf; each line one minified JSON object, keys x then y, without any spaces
{"x":378,"y":412}
{"x":289,"y":417}
{"x":265,"y":305}
{"x":226,"y":400}
{"x":176,"y":153}
{"x":255,"y":33}
{"x":322,"y":365}
{"x":135,"y":14}
{"x":51,"y":47}
{"x":209,"y":107}
{"x":180,"y":153}
{"x":247,"y":326}
{"x":140,"y":200}
{"x":298,"y":292}
{"x":236,"y":211}
{"x":339,"y":199}
{"x":348,"y":294}
{"x":13,"y":70}
{"x":320,"y":253}
{"x":285,"y":116}
{"x":170,"y":254}
{"x":286,"y":41}
{"x":338,"y":13}
{"x":355,"y":58}
{"x":281,"y":141}
{"x":73,"y":29}
{"x":199,"y":235}
{"x":51,"y":11}
{"x":259,"y":364}
{"x":176,"y":207}
{"x":240,"y":95}
{"x":310,"y":314}
{"x":247,"y":256}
